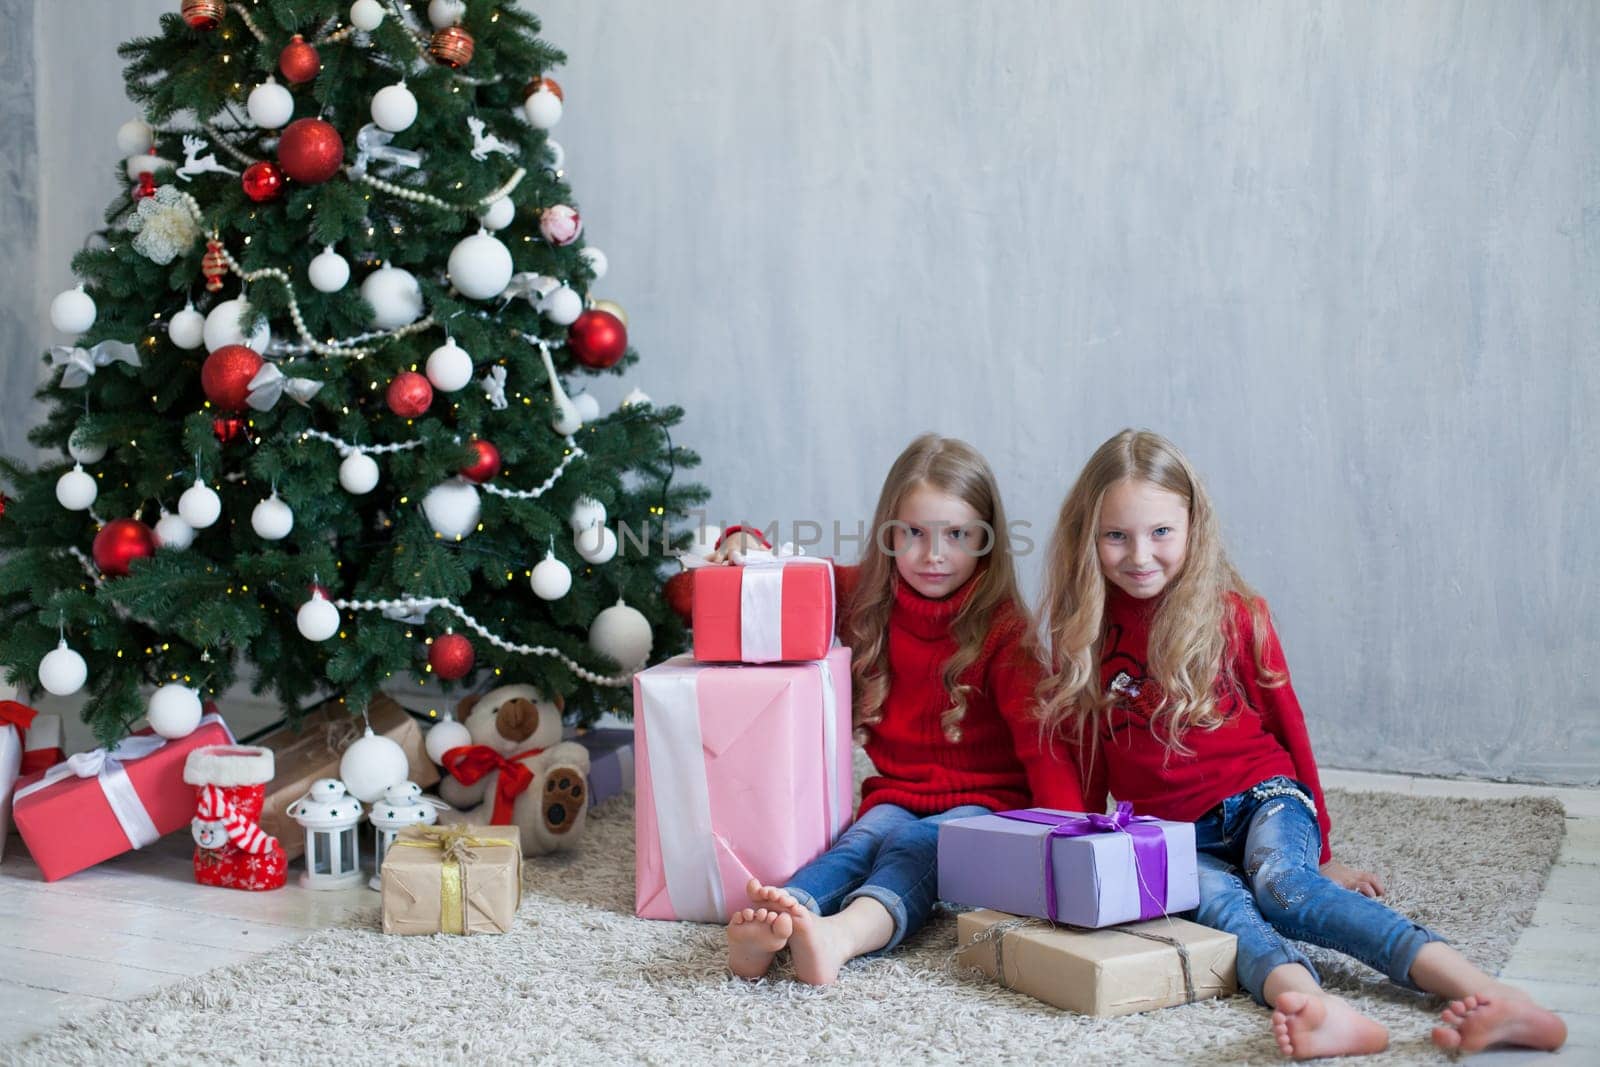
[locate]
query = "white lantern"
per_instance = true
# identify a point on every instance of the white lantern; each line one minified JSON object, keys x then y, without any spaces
{"x":401,"y":806}
{"x":329,"y":816}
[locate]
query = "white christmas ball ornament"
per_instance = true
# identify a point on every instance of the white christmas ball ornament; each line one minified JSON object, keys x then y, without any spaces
{"x":135,"y":137}
{"x":452,"y":508}
{"x":394,"y":108}
{"x":62,"y":671}
{"x":587,"y":406}
{"x":443,"y":13}
{"x":444,"y":735}
{"x":597,"y":544}
{"x":499,"y":215}
{"x":635,"y":397}
{"x":395,"y":296}
{"x":562,"y":306}
{"x":317,"y":619}
{"x":187,"y":329}
{"x":72,"y":311}
{"x":272,"y":519}
{"x":557,"y":154}
{"x":270,"y":105}
{"x":83,"y":449}
{"x":586,"y":512}
{"x":449,"y":367}
{"x":225,"y":326}
{"x":174,"y":711}
{"x":366,"y":15}
{"x":543,"y":109}
{"x":358,"y":474}
{"x":551,"y":579}
{"x":200,"y":506}
{"x":371,"y":765}
{"x":623,"y":634}
{"x":173,"y":532}
{"x":329,"y":271}
{"x":480,"y":266}
{"x":75,"y":490}
{"x":597,"y":261}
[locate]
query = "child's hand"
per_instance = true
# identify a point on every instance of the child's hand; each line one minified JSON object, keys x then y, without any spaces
{"x":1364,"y":882}
{"x":739,"y":542}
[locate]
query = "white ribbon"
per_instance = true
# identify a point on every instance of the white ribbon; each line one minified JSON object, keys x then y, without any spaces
{"x":270,"y":383}
{"x":372,"y":143}
{"x":761,"y":606}
{"x":81,"y":363}
{"x":830,"y":749}
{"x":670,"y":696}
{"x":531,"y":286}
{"x":106,"y":766}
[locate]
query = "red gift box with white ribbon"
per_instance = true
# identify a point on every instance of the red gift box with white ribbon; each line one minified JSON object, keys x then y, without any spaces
{"x":768,"y":610}
{"x":29,"y":741}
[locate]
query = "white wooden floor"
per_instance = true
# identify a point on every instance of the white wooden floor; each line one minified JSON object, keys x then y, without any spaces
{"x":139,"y":922}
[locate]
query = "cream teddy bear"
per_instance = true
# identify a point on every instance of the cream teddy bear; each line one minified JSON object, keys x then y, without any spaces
{"x":519,"y":727}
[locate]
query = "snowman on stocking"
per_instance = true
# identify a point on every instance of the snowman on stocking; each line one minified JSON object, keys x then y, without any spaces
{"x":230,"y":848}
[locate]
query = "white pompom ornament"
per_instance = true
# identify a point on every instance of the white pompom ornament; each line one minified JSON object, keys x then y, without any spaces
{"x":138,"y":166}
{"x":225,"y":326}
{"x":395,"y":296}
{"x":543,"y":109}
{"x":480,"y":266}
{"x":83,"y":449}
{"x":200,"y":506}
{"x":135,"y":137}
{"x":394,"y":107}
{"x":187,"y":329}
{"x":75,"y":490}
{"x":452,"y":508}
{"x":174,"y":711}
{"x":551,"y":579}
{"x":358,"y":474}
{"x":328,"y":271}
{"x":72,"y":311}
{"x":366,"y":15}
{"x":172,"y":532}
{"x":270,"y":105}
{"x":562,"y":306}
{"x":371,"y":765}
{"x":498,"y":215}
{"x":444,"y":735}
{"x":597,"y":544}
{"x":622,"y":634}
{"x":586,"y":512}
{"x":449,"y":367}
{"x":272,"y":519}
{"x":597,"y":261}
{"x":317,"y":619}
{"x":446,"y":13}
{"x":62,"y":671}
{"x":588,"y":407}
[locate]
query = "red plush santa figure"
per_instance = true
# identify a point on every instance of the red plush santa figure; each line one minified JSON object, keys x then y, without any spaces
{"x":230,"y":848}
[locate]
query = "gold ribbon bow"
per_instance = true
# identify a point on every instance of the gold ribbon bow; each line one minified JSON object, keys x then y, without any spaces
{"x":457,"y":846}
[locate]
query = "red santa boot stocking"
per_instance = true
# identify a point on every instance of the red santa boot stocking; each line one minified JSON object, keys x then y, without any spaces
{"x":231,"y":849}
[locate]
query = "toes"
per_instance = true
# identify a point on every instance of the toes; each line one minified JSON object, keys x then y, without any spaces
{"x":1473,"y":1002}
{"x":1447,"y":1038}
{"x":752,"y":889}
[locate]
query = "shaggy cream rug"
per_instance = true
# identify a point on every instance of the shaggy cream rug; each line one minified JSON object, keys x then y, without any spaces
{"x":580,"y":980}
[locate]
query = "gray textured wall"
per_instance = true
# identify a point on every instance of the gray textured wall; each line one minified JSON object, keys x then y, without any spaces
{"x":1344,"y":253}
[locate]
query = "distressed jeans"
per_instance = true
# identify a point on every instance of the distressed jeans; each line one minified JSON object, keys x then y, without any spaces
{"x":889,"y":854}
{"x":1259,"y":881}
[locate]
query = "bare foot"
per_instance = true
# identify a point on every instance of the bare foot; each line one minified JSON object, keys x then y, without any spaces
{"x":754,"y":936}
{"x":1308,"y":1025}
{"x":770,"y":896}
{"x":818,"y":947}
{"x":1498,"y":1018}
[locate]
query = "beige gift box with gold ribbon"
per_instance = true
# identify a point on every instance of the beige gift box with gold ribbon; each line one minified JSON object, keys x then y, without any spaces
{"x":452,"y":880}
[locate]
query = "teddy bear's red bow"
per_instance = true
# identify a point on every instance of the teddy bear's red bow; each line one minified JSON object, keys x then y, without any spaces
{"x":470,"y":763}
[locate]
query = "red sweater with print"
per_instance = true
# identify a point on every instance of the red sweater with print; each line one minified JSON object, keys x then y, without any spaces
{"x":1262,"y":733}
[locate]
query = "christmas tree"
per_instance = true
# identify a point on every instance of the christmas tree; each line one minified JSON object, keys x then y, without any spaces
{"x":313,"y":414}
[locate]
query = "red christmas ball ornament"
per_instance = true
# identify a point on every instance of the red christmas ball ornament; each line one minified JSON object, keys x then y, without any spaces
{"x":299,"y":61}
{"x":310,"y":151}
{"x":409,"y":395}
{"x":679,"y":593}
{"x":485,"y":462}
{"x":451,"y":46}
{"x":225,"y":376}
{"x":262,"y":181}
{"x":535,"y":84}
{"x":451,"y":657}
{"x":598,"y":339}
{"x":204,"y":15}
{"x":119,"y":543}
{"x":4,"y":500}
{"x":227,"y":428}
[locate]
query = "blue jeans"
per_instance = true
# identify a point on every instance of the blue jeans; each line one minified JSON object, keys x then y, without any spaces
{"x":1259,"y":882}
{"x":890,"y":855}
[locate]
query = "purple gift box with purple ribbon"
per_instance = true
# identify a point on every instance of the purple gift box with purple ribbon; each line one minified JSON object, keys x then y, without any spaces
{"x":1086,"y":870}
{"x":610,"y":762}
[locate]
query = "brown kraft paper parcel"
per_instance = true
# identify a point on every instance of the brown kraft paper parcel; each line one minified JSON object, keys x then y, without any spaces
{"x":452,"y":880}
{"x":1117,"y":970}
{"x":311,"y":751}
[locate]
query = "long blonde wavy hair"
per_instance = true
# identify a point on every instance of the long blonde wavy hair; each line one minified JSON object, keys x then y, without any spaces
{"x":949,"y":466}
{"x":1193,"y":627}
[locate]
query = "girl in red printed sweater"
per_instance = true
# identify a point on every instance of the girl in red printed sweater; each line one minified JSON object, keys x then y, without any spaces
{"x":1176,"y":697}
{"x":944,"y":676}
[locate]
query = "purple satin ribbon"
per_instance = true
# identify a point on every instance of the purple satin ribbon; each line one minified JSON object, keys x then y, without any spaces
{"x":1149,"y":850}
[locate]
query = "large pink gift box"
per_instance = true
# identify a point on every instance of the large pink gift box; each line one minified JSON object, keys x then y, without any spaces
{"x":742,"y":772}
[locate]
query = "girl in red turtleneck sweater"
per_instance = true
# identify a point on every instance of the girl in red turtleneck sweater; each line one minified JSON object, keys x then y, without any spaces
{"x":1176,"y":697}
{"x":944,"y":677}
